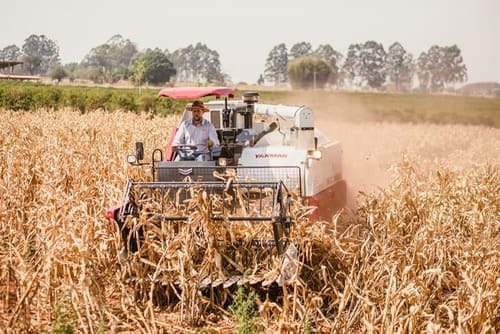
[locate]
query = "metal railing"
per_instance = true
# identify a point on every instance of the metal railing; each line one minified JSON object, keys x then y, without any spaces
{"x":231,"y":201}
{"x":198,"y":172}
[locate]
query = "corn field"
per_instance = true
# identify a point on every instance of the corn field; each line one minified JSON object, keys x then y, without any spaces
{"x":419,"y":253}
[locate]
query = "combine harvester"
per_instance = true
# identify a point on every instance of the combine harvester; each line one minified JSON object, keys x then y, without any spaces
{"x":230,"y":220}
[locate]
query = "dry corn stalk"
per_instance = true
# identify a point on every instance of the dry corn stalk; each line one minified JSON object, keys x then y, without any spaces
{"x":419,"y":255}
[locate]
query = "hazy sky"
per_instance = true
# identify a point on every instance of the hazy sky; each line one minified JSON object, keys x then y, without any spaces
{"x":244,"y":32}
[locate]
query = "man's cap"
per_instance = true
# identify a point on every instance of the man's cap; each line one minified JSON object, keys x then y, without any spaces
{"x":196,"y":105}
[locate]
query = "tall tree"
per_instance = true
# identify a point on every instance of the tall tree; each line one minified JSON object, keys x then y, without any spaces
{"x":435,"y":67}
{"x":454,"y":68}
{"x":365,"y":64}
{"x":399,"y":66}
{"x":152,"y":66}
{"x":308,"y":72}
{"x":10,"y":53}
{"x":352,"y":65}
{"x":197,"y":63}
{"x":208,"y":64}
{"x":333,"y":58}
{"x":138,"y":69}
{"x":180,"y":59}
{"x":300,"y":49}
{"x":276,"y":64}
{"x":423,"y":71}
{"x":112,"y":59}
{"x":373,"y":56}
{"x":440,"y":66}
{"x":40,"y":52}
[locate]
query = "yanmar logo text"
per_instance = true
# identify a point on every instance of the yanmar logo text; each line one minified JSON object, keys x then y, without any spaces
{"x":271,"y":155}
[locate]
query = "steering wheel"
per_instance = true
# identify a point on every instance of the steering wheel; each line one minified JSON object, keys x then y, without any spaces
{"x":185,"y":151}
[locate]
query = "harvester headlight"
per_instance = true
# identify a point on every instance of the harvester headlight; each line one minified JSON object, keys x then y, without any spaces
{"x":314,"y":154}
{"x":131,"y":159}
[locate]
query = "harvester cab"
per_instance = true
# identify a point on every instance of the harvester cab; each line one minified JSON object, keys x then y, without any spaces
{"x":270,"y":157}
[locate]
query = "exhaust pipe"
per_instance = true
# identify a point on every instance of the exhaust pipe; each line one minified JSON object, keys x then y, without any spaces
{"x":250,"y":98}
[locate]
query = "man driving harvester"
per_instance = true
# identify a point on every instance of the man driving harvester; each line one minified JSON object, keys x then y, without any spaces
{"x":198,"y":132}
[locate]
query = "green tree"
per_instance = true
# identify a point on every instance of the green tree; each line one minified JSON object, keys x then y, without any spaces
{"x":211,"y":66}
{"x":352,"y":65}
{"x":58,"y":73}
{"x":308,"y":72}
{"x":365,"y":64}
{"x":32,"y":63}
{"x":197,"y":63}
{"x":71,"y":69}
{"x":435,"y":67}
{"x":440,"y":66}
{"x":423,"y":71}
{"x":454,"y":68}
{"x":138,"y":69}
{"x":10,"y":53}
{"x":111,"y":59}
{"x":373,"y":57}
{"x":333,"y":58}
{"x":180,"y":59}
{"x":399,"y":66}
{"x":40,"y":52}
{"x":301,"y":49}
{"x":152,"y":66}
{"x":276,"y":64}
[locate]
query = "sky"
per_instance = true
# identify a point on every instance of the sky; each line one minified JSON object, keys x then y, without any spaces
{"x":244,"y":32}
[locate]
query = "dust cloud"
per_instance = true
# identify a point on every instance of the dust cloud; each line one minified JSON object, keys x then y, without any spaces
{"x":371,"y":149}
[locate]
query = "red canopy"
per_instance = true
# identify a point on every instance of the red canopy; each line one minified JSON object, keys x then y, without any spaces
{"x":195,"y":92}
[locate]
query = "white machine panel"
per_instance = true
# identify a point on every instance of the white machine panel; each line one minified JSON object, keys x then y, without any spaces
{"x":304,"y":119}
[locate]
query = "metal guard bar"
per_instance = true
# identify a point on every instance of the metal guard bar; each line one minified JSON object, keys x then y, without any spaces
{"x":168,"y":195}
{"x":289,"y":175}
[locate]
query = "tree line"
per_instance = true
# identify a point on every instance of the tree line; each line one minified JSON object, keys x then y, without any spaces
{"x":366,"y":65}
{"x":118,"y":59}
